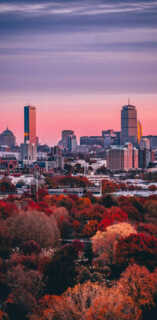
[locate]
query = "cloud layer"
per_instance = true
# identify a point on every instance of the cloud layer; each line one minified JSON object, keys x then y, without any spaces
{"x":76,"y":52}
{"x":78,"y":45}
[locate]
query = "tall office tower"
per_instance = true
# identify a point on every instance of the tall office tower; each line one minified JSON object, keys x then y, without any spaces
{"x":29,"y":148}
{"x":129,"y":124}
{"x":30,"y":124}
{"x":139,"y":132}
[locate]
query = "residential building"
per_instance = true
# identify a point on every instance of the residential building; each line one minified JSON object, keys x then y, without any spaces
{"x":122,"y":157}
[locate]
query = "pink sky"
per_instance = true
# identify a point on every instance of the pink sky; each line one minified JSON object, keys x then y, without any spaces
{"x":85,"y":114}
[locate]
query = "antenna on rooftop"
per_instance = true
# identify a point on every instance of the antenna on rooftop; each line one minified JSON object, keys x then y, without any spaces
{"x":128,"y":101}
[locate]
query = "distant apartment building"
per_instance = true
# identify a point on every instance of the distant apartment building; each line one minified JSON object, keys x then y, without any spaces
{"x":122,"y":157}
{"x":129,"y":130}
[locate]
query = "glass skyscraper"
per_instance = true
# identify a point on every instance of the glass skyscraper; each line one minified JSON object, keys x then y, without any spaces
{"x":29,"y":148}
{"x":30,"y":124}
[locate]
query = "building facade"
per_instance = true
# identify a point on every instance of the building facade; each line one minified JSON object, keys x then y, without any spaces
{"x":7,"y":138}
{"x":122,"y":157}
{"x":145,"y":153}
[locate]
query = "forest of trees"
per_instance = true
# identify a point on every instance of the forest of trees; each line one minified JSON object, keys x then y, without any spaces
{"x":69,"y":258}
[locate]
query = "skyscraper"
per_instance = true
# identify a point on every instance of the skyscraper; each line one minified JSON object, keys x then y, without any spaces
{"x":29,"y":148}
{"x":30,"y":124}
{"x":129,"y":124}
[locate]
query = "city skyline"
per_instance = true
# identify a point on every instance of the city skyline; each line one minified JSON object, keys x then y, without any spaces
{"x":77,"y":62}
{"x":92,"y":132}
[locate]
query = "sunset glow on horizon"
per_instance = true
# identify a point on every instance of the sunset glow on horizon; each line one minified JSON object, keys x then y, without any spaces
{"x":86,"y":115}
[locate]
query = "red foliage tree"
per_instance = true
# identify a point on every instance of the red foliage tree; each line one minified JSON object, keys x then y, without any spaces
{"x":137,"y":248}
{"x":90,"y":228}
{"x":7,"y":209}
{"x":112,"y":215}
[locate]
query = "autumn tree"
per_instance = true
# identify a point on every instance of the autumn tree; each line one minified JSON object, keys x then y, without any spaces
{"x":35,"y":226}
{"x":139,"y":284}
{"x":30,"y":280}
{"x":112,"y":215}
{"x":5,"y":241}
{"x":60,"y":272}
{"x":138,"y":248}
{"x":104,"y":243}
{"x":63,"y":220}
{"x":90,"y":228}
{"x":55,"y":308}
{"x":113,"y":305}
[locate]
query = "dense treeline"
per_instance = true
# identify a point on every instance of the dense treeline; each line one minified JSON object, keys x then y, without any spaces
{"x":69,"y":258}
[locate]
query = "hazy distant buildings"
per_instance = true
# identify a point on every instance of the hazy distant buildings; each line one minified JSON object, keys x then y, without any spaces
{"x":68,"y":141}
{"x":111,"y":137}
{"x":7,"y":138}
{"x":129,"y":131}
{"x":92,"y":141}
{"x":29,"y":148}
{"x":122,"y":157}
{"x":56,"y":156}
{"x":153,"y":141}
{"x":145,"y":154}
